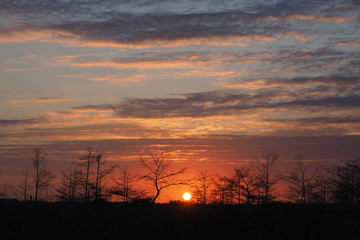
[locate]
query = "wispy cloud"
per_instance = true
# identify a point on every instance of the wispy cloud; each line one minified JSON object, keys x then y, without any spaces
{"x":96,"y":23}
{"x":119,"y":78}
{"x":308,"y":82}
{"x":43,"y":100}
{"x":50,"y":99}
{"x":115,"y":78}
{"x":25,"y":122}
{"x":221,"y":103}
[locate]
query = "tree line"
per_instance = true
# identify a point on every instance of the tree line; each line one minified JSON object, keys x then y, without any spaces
{"x":255,"y":183}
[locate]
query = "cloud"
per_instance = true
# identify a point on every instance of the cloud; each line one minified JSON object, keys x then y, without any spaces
{"x":337,"y":101}
{"x":347,"y":43}
{"x":217,"y":103}
{"x":148,"y":60}
{"x":127,"y":24}
{"x":50,"y":99}
{"x":87,"y":132}
{"x":322,"y":120}
{"x":334,"y":80}
{"x":326,"y":19}
{"x":25,"y":121}
{"x":42,"y":100}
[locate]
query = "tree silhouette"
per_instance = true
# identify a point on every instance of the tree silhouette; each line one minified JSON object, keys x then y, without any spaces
{"x":299,"y":184}
{"x":245,"y":183}
{"x":159,"y":172}
{"x":264,"y":167}
{"x":321,"y":191}
{"x":222,"y":192}
{"x":71,"y":188}
{"x":345,"y":181}
{"x":100,"y":174}
{"x":42,"y":176}
{"x":123,"y":186}
{"x":203,"y":182}
{"x":87,"y":161}
{"x":26,"y":174}
{"x":236,"y":184}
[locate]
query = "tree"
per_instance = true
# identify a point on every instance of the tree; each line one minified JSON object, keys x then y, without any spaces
{"x":42,"y":176}
{"x":236,"y":184}
{"x":100,"y":174}
{"x":71,"y":188}
{"x":25,"y":187}
{"x":244,"y":183}
{"x":264,"y":167}
{"x":321,"y":186}
{"x":222,"y":192}
{"x":203,"y":183}
{"x":299,"y":184}
{"x":345,"y":181}
{"x":124,"y":186}
{"x":88,"y":160}
{"x":159,"y":172}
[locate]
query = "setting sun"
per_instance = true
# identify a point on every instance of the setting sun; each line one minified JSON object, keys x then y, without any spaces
{"x":186,"y":196}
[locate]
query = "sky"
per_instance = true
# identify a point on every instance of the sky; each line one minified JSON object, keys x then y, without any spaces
{"x":214,"y":82}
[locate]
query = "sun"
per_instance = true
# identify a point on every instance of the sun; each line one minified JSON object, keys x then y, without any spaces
{"x":187,"y":196}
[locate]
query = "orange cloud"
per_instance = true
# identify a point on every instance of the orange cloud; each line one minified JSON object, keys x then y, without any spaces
{"x":68,"y":38}
{"x":350,"y":43}
{"x":151,"y":64}
{"x":50,"y":100}
{"x":118,"y":78}
{"x":327,"y":19}
{"x":23,"y":35}
{"x":255,"y":84}
{"x":42,"y":100}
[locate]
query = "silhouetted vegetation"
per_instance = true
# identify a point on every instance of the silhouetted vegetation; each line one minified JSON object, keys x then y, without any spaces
{"x":319,"y":203}
{"x":159,"y":172}
{"x":42,"y":175}
{"x":91,"y":179}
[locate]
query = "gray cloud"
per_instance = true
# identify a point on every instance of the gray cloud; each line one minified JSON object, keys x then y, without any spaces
{"x":220,"y":103}
{"x":90,"y":131}
{"x":26,"y":121}
{"x":321,"y":120}
{"x":139,"y":21}
{"x":336,"y":101}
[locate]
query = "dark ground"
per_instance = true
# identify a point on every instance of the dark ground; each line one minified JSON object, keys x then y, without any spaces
{"x":26,"y":220}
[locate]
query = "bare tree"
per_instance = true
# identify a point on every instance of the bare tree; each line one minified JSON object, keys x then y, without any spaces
{"x":100,"y":174}
{"x":26,"y":174}
{"x":98,"y":162}
{"x":42,"y":176}
{"x":203,"y":182}
{"x":299,"y":184}
{"x":159,"y":172}
{"x":345,"y":181}
{"x":264,"y":167}
{"x":245,"y":183}
{"x":321,"y":186}
{"x":236,"y":185}
{"x":88,"y":160}
{"x":71,"y":188}
{"x":124,"y":187}
{"x":222,"y":192}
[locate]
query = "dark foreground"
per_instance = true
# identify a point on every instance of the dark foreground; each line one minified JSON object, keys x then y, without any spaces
{"x":19,"y":220}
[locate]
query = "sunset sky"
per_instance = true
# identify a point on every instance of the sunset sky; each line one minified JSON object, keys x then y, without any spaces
{"x":215,"y":82}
